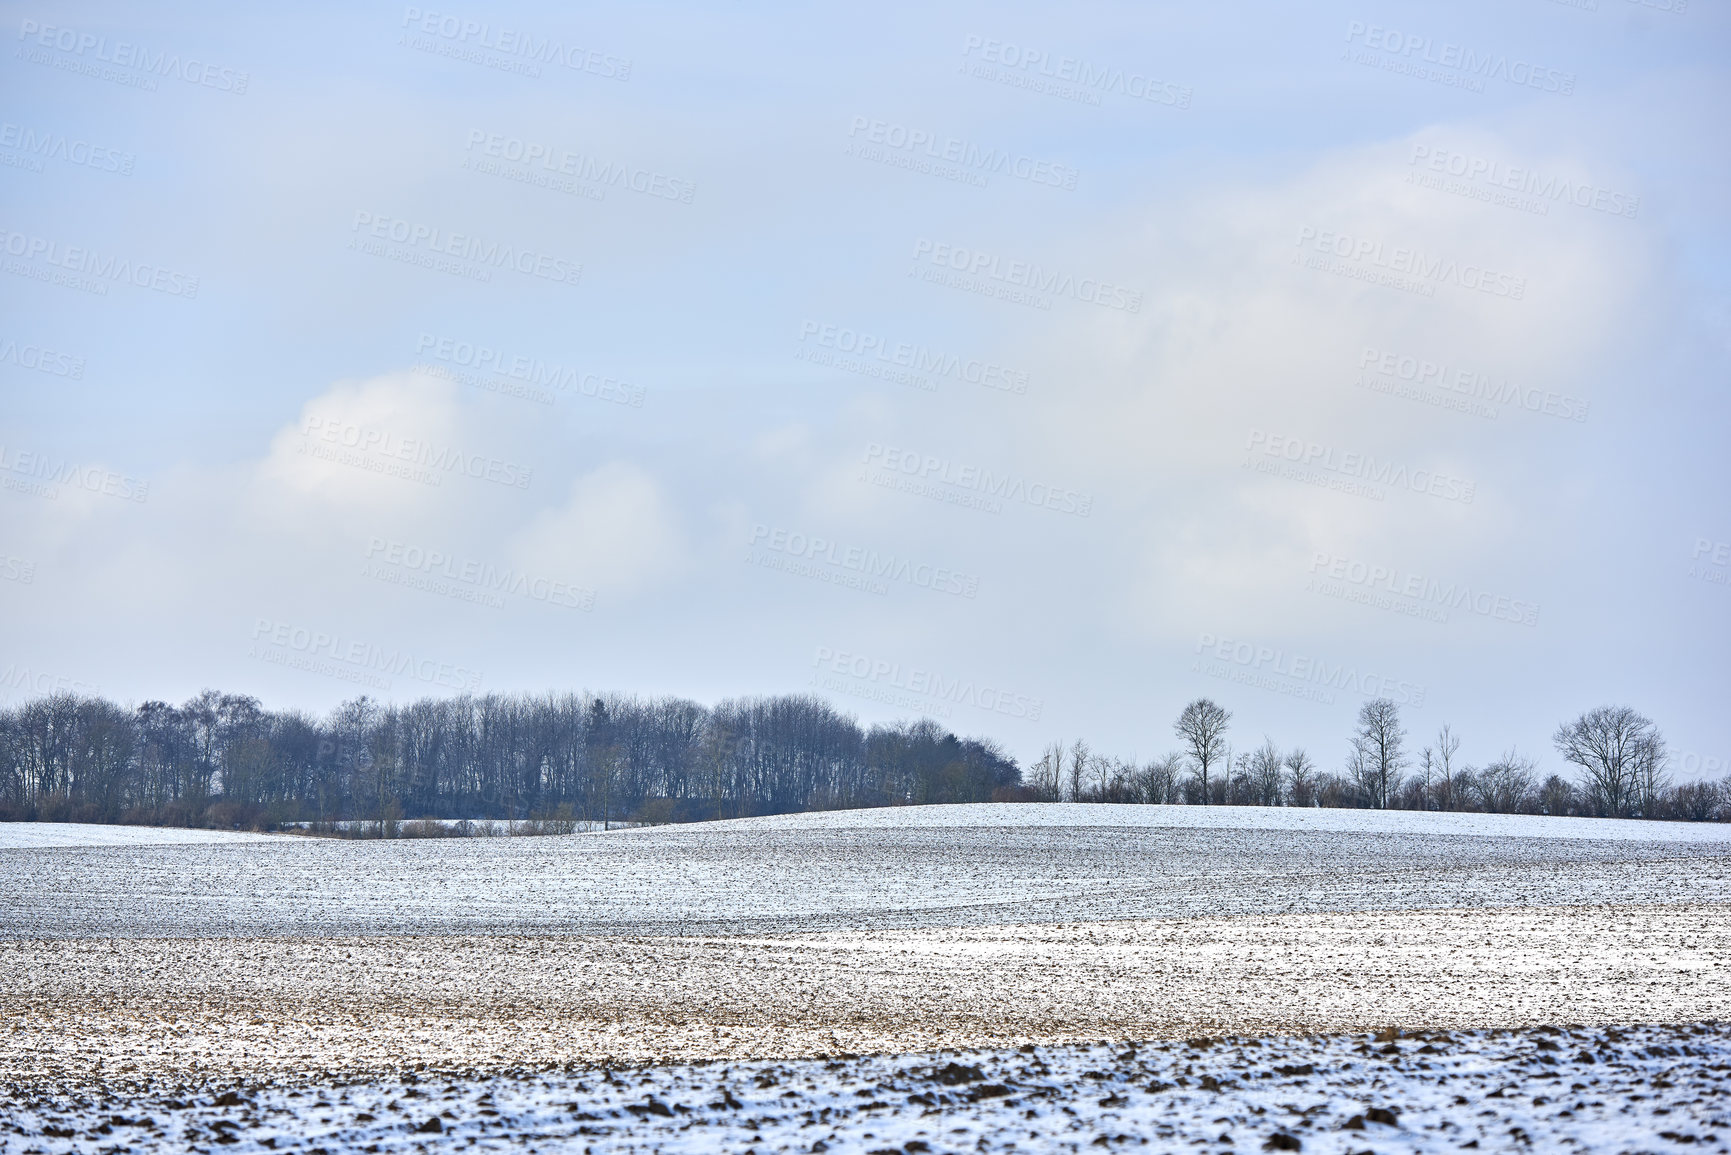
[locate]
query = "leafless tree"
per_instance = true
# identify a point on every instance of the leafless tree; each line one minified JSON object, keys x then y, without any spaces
{"x":1262,"y":766}
{"x":1078,"y":768}
{"x":1445,"y":789}
{"x":1202,"y":726}
{"x":1377,"y":760}
{"x":1046,"y":777}
{"x":1161,"y":780}
{"x":1556,"y":796}
{"x":1622,"y":757}
{"x":1506,"y":786}
{"x":1301,"y":783}
{"x":1700,"y":801}
{"x":1103,"y":773}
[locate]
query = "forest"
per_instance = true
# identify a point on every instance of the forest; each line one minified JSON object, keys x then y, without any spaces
{"x":224,"y":760}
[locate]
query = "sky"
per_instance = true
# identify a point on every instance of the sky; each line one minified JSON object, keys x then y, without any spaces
{"x":1036,"y":369}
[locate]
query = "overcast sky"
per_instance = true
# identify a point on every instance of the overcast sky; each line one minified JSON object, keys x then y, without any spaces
{"x":1033,"y":369}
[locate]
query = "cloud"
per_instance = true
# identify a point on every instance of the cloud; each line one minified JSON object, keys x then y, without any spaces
{"x":387,"y":445}
{"x":615,"y":532}
{"x":1263,"y":303}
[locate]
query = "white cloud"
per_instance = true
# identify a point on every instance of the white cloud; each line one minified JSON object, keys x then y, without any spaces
{"x":380,"y":446}
{"x":615,"y":532}
{"x":1238,"y":336}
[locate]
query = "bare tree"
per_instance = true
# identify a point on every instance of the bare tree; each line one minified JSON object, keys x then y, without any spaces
{"x":1078,"y":769}
{"x":1202,"y":726}
{"x":1262,"y":767}
{"x":1160,"y":779}
{"x":1445,"y":790}
{"x":1301,"y":783}
{"x":1506,"y":786}
{"x":1377,"y":760}
{"x":1698,"y":802}
{"x":1102,"y":773}
{"x":1046,"y":777}
{"x":1652,"y":776}
{"x":1556,"y":796}
{"x":1621,"y":754}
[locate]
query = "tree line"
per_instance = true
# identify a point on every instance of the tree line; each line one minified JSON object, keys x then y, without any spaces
{"x":1619,"y":758}
{"x":224,"y":760}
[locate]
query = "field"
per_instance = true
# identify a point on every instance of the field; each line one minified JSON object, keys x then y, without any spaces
{"x":172,"y":967}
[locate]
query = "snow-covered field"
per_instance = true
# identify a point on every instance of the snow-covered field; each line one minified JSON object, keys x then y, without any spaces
{"x":1641,"y":1089}
{"x":43,"y":835}
{"x":363,"y":1006}
{"x":272,"y":963}
{"x":1316,"y":819}
{"x":909,"y":867}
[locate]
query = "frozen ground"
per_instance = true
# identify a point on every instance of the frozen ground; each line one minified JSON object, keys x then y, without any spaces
{"x":43,"y":835}
{"x":909,"y":867}
{"x":1315,"y":819}
{"x":321,"y":984}
{"x":1639,"y":1089}
{"x":116,"y":1008}
{"x":476,"y":827}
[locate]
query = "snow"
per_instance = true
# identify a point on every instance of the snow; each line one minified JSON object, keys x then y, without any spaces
{"x":56,"y":835}
{"x":271,"y":1007}
{"x":1262,"y":818}
{"x":1048,"y":815}
{"x":905,"y":867}
{"x":1579,"y":1089}
{"x":692,"y":985}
